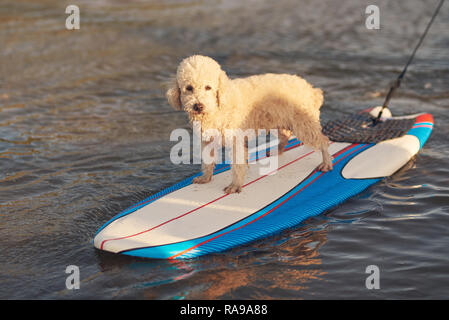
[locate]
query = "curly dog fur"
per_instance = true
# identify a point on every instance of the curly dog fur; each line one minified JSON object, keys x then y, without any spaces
{"x":269,"y":101}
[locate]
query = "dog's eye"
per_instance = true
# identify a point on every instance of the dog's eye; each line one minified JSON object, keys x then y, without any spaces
{"x":189,"y":88}
{"x":208,"y":87}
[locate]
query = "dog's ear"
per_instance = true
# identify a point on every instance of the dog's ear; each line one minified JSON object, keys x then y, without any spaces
{"x":223,"y":83}
{"x":173,"y":95}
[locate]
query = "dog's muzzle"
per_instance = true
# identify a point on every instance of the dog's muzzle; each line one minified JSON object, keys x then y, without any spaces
{"x":198,"y":107}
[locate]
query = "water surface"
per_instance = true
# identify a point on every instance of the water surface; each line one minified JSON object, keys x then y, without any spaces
{"x":84,"y":133}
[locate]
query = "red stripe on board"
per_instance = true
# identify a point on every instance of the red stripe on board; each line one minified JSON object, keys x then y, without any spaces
{"x":424,"y":118}
{"x":280,"y":204}
{"x":136,"y":234}
{"x":266,"y":156}
{"x":202,"y":206}
{"x":345,"y":149}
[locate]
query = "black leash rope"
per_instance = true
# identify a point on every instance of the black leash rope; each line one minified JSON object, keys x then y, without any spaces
{"x":397,"y":83}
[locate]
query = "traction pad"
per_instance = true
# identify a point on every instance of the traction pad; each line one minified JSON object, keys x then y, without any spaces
{"x":359,"y":128}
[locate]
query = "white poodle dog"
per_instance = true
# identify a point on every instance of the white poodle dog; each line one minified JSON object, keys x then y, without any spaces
{"x":269,"y":101}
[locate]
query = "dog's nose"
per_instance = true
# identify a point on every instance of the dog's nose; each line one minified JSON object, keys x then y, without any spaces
{"x":198,"y":107}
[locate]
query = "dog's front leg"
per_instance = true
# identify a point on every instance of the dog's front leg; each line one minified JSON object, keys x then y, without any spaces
{"x":238,"y":169}
{"x":238,"y":177}
{"x":208,"y":171}
{"x":326,"y":164}
{"x":207,"y":167}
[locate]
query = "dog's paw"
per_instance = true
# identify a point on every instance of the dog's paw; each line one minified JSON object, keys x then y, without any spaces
{"x":202,"y":179}
{"x":233,"y":188}
{"x":325,"y":167}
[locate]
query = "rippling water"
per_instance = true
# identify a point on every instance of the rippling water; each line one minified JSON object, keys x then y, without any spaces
{"x":84,"y":133}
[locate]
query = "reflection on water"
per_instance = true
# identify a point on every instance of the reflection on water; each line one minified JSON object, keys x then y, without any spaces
{"x":84,"y":133}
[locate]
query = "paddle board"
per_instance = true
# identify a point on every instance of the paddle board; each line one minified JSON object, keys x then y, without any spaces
{"x":189,"y":220}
